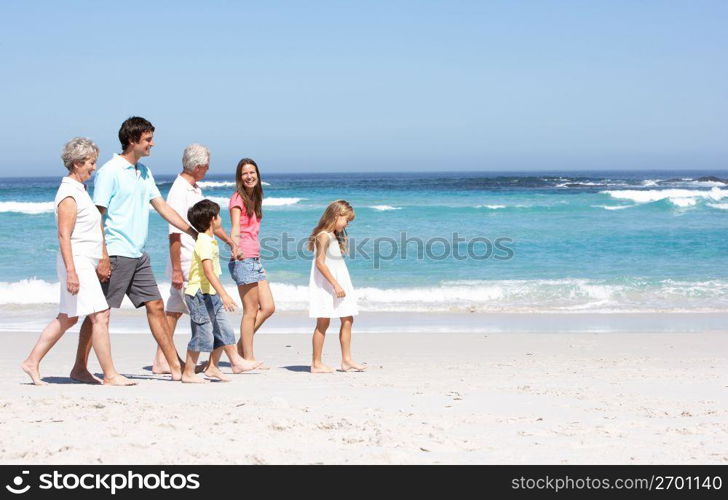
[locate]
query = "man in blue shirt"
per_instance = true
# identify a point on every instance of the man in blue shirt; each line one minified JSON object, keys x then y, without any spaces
{"x":123,"y":189}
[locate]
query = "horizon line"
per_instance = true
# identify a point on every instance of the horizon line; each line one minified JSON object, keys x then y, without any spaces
{"x":395,"y":172}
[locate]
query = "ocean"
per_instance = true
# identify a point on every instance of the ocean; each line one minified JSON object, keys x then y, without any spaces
{"x":596,"y":242}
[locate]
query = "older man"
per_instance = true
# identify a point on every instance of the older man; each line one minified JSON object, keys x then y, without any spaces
{"x":183,"y":194}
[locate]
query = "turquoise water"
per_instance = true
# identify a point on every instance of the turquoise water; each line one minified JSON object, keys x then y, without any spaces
{"x":594,"y":241}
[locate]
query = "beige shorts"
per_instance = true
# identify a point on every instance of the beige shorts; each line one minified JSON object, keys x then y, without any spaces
{"x":176,"y":301}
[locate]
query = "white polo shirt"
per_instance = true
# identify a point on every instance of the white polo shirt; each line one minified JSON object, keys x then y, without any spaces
{"x":86,"y":239}
{"x":182,"y":196}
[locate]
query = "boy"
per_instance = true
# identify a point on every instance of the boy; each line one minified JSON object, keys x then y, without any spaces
{"x":207,"y":300}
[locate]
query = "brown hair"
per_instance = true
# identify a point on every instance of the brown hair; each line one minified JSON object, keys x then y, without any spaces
{"x":327,"y":223}
{"x":132,"y":129}
{"x":254,"y":201}
{"x":202,"y":213}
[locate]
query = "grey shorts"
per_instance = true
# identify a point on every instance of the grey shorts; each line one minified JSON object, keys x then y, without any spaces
{"x":133,"y":278}
{"x":210,"y":326}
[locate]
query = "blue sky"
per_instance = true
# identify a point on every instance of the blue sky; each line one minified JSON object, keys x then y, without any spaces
{"x":370,"y":86}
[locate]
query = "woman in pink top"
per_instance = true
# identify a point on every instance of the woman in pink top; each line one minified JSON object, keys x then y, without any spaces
{"x":245,"y":213}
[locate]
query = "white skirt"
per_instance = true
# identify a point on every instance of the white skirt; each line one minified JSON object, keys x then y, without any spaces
{"x":323,"y":302}
{"x":90,"y":298}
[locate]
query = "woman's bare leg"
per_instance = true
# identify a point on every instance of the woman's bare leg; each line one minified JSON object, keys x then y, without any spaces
{"x":102,"y":347}
{"x":249,"y":298}
{"x":48,"y":338}
{"x":80,"y":372}
{"x":266,"y":303}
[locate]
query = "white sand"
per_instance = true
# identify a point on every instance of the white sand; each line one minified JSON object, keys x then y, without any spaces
{"x":427,"y":398}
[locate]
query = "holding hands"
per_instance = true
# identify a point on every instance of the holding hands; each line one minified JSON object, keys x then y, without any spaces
{"x":103,"y":270}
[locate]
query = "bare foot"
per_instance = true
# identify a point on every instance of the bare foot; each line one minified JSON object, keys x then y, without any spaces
{"x":214,"y":372}
{"x":160,"y":368}
{"x":261,"y":365}
{"x":194,"y":379}
{"x":118,"y":379}
{"x":85,"y":377}
{"x":176,"y":373}
{"x":350,"y":366}
{"x":245,"y":366}
{"x":32,"y":370}
{"x":322,"y":368}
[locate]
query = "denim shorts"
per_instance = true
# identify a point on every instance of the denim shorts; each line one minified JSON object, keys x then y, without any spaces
{"x":247,"y":271}
{"x":210,"y":326}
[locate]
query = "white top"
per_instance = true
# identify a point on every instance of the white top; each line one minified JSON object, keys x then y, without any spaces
{"x":86,"y":239}
{"x":182,"y":196}
{"x":323,"y":302}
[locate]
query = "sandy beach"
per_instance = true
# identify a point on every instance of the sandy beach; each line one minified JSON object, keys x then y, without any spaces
{"x":433,"y":398}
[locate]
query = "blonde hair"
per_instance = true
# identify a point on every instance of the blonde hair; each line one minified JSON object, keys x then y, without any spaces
{"x":327,"y":223}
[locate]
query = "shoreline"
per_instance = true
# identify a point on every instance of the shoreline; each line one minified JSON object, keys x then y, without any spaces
{"x":511,"y":398}
{"x":130,"y":321}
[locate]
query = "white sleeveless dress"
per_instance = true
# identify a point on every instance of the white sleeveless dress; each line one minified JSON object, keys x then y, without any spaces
{"x":323,"y":302}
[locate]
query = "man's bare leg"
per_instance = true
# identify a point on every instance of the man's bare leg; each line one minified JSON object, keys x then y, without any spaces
{"x":80,"y":372}
{"x":160,"y":365}
{"x":160,"y":330}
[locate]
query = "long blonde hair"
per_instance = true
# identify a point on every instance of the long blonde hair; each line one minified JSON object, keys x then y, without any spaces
{"x":327,"y":223}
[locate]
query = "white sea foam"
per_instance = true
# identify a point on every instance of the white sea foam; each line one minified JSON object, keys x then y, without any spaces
{"x":215,"y":184}
{"x":384,"y":208}
{"x":707,"y":184}
{"x":684,"y":202}
{"x":491,"y":207}
{"x":267,"y":202}
{"x":679,"y":197}
{"x":561,"y":295}
{"x":720,"y":206}
{"x":211,"y":184}
{"x":613,"y":207}
{"x":27,"y":207}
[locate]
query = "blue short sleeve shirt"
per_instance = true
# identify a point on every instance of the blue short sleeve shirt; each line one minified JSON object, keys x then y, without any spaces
{"x":125,"y":190}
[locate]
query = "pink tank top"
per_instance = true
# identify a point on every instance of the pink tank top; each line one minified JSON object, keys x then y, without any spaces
{"x":249,"y":228}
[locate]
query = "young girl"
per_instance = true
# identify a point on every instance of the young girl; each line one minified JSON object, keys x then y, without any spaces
{"x":331,"y":294}
{"x":245,"y":214}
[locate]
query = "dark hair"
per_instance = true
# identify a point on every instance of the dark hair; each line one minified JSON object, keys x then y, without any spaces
{"x":252,"y":202}
{"x":132,"y":129}
{"x":201,"y":214}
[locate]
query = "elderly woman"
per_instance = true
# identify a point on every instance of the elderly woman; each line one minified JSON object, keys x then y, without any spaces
{"x":81,"y":248}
